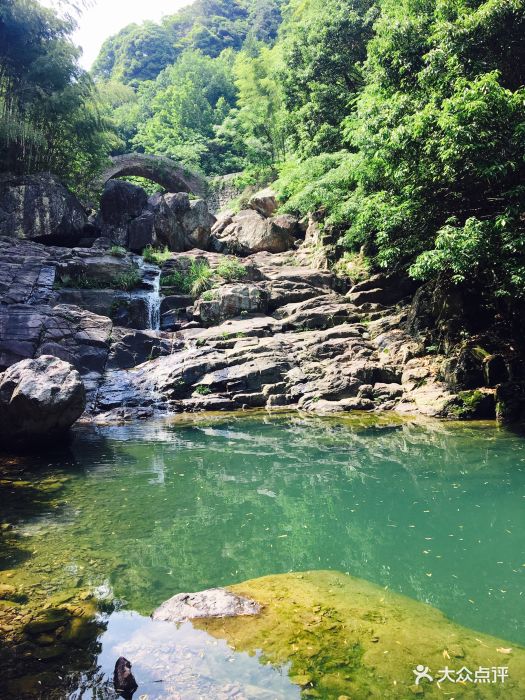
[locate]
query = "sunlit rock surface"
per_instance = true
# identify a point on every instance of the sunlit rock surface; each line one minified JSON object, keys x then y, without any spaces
{"x":215,"y":602}
{"x":39,"y":398}
{"x":345,"y":637}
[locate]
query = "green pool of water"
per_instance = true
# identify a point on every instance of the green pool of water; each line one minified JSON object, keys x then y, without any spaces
{"x":431,"y":510}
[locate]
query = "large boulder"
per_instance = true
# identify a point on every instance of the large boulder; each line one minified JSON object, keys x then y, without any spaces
{"x":229,"y":301}
{"x":40,"y":208}
{"x":140,"y":232}
{"x":40,"y":397}
{"x":264,"y":202}
{"x":249,"y":232}
{"x":510,"y":402}
{"x":181,"y":223}
{"x":121,"y":202}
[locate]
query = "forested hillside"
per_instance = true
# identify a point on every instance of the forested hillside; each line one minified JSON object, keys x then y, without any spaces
{"x":402,"y":122}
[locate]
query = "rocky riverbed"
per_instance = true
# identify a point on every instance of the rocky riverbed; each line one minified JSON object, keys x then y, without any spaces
{"x":285,"y":334}
{"x":271,"y":326}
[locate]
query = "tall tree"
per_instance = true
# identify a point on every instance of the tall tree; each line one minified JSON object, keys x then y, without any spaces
{"x":180,"y":110}
{"x":324,"y":43}
{"x":49,"y":116}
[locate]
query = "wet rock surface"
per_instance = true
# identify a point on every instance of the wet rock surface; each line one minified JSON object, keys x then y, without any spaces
{"x":279,"y":334}
{"x":255,"y":345}
{"x":271,"y":328}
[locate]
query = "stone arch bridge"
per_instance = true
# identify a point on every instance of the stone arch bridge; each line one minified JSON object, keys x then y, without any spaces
{"x":164,"y":171}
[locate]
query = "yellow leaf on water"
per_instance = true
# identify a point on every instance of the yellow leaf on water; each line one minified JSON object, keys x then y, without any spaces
{"x":446,"y":655}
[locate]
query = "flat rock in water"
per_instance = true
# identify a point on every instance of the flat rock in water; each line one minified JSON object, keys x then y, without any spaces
{"x":214,"y":602}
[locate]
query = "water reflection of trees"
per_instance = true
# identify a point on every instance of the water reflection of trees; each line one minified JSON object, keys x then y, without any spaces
{"x":161,"y":508}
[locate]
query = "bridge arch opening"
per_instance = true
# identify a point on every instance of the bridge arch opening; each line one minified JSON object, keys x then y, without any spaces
{"x":158,"y":169}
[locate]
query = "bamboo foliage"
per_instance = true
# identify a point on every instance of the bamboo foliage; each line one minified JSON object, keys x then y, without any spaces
{"x":49,"y":114}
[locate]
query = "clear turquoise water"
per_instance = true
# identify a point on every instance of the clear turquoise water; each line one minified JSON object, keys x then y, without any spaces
{"x":434,"y":511}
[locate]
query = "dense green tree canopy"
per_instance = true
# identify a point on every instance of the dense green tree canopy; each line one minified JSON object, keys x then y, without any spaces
{"x":141,"y":52}
{"x":137,"y":52}
{"x":181,"y":108}
{"x":324,"y":43}
{"x":403,"y":121}
{"x":440,"y":129}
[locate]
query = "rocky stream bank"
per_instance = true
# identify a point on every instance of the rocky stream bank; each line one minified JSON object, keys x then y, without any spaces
{"x":235,"y":313}
{"x":154,"y":306}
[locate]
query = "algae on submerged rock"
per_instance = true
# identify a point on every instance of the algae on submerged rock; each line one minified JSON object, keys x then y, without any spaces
{"x":347,"y":637}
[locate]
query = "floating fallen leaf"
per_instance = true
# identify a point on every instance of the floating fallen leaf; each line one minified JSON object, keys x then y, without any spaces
{"x":446,"y":655}
{"x":428,"y":575}
{"x":504,"y":650}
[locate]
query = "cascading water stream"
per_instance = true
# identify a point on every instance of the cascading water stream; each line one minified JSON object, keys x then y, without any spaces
{"x":151,"y":275}
{"x":154,"y":304}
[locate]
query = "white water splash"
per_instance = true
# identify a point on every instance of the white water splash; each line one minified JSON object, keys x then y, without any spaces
{"x":154,"y":304}
{"x":151,"y":274}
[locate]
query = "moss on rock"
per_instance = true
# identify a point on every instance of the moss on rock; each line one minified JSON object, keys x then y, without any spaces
{"x":478,"y":403}
{"x":343,"y":636}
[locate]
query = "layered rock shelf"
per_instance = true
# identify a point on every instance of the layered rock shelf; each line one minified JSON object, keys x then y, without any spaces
{"x":235,"y":313}
{"x":284,"y":335}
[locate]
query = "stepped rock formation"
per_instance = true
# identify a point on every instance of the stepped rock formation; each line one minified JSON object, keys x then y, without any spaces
{"x":273,"y":332}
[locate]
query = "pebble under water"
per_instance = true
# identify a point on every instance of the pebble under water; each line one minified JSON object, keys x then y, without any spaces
{"x":140,"y":512}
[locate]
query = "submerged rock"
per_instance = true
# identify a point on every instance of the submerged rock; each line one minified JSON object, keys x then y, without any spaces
{"x":215,"y":602}
{"x":39,"y":397}
{"x":344,"y":637}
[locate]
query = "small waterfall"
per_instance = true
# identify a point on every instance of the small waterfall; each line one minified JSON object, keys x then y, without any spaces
{"x":151,"y":276}
{"x":154,"y":304}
